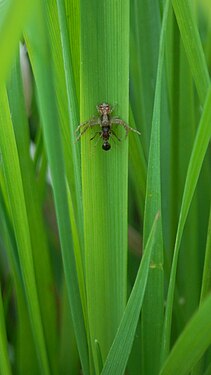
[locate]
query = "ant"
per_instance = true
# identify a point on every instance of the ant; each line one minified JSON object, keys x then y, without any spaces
{"x":105,"y":121}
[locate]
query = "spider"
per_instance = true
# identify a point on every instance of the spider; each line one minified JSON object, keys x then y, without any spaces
{"x":105,"y":121}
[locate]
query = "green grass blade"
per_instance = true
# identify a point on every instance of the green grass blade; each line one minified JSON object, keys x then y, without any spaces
{"x":5,"y":368}
{"x":206,"y":281}
{"x":72,"y":101}
{"x":25,"y":345}
{"x":68,"y":114}
{"x":205,"y":289}
{"x":153,"y":308}
{"x":55,"y":153}
{"x":67,"y":102}
{"x":73,"y":23}
{"x":117,"y":358}
{"x":193,"y":47}
{"x":144,"y":50}
{"x":197,"y":156}
{"x":183,"y":99}
{"x":20,"y":222}
{"x":13,"y":15}
{"x":192,"y":343}
{"x":104,"y":78}
{"x":40,"y":249}
{"x":137,"y":166}
{"x":68,"y":118}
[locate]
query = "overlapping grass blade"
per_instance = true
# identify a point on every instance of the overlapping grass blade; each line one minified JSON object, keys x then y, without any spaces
{"x":55,"y":153}
{"x":40,"y":250}
{"x":25,"y":344}
{"x":5,"y":367}
{"x":192,"y":343}
{"x":120,"y":350}
{"x":205,"y":286}
{"x":206,"y":281}
{"x":153,"y":308}
{"x":192,"y":44}
{"x":137,"y":166}
{"x":144,"y":49}
{"x":13,"y":16}
{"x":72,"y":107}
{"x":68,"y":110}
{"x":21,"y":225}
{"x":197,"y":156}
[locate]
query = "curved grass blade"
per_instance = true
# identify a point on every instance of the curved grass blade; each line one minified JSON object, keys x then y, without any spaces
{"x":5,"y":367}
{"x":21,"y":225}
{"x":118,"y":355}
{"x":197,"y":156}
{"x":153,"y":308}
{"x":206,"y":284}
{"x":13,"y":16}
{"x":206,"y":280}
{"x":72,"y":107}
{"x":192,"y":44}
{"x":192,"y":343}
{"x":39,"y":243}
{"x":44,"y":78}
{"x":25,"y":348}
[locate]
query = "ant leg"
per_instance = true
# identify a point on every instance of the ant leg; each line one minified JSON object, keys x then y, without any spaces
{"x":95,"y":135}
{"x":100,"y":133}
{"x":127,"y":128}
{"x":115,"y":135}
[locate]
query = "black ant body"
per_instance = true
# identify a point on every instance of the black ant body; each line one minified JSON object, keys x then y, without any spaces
{"x":105,"y":121}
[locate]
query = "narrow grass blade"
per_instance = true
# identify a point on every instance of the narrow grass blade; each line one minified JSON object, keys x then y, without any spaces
{"x":145,"y":13}
{"x":72,"y":105}
{"x":192,"y":44}
{"x":68,"y":116}
{"x":206,"y":281}
{"x":5,"y":368}
{"x":137,"y":166}
{"x":55,"y":147}
{"x":73,"y":24}
{"x":153,"y":308}
{"x":26,"y":360}
{"x":13,"y":16}
{"x":192,"y":343}
{"x":117,"y":358}
{"x":67,"y":102}
{"x":40,"y":249}
{"x":183,"y":99}
{"x":206,"y":285}
{"x":68,"y":353}
{"x":197,"y":156}
{"x":21,"y":225}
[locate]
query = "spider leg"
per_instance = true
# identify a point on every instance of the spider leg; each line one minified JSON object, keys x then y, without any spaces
{"x":113,"y":108}
{"x":90,"y":123}
{"x":127,"y":128}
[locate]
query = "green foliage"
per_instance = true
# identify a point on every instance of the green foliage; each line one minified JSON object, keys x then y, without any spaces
{"x":78,"y":290}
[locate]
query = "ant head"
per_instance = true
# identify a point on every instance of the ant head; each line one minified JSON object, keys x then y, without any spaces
{"x":106,"y":146}
{"x":104,"y":108}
